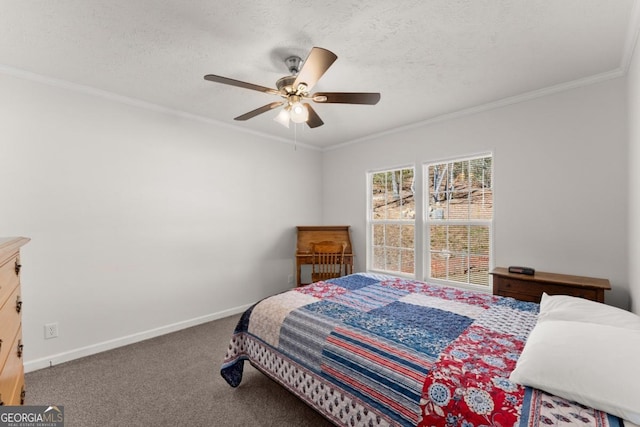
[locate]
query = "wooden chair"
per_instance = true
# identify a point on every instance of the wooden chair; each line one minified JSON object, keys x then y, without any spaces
{"x":327,"y":260}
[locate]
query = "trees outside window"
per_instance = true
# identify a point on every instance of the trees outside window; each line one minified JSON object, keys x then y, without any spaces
{"x":391,"y":221}
{"x":452,"y":240}
{"x":459,"y":220}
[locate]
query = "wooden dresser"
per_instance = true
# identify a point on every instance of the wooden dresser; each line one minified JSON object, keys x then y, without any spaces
{"x":11,"y":366}
{"x":530,"y":288}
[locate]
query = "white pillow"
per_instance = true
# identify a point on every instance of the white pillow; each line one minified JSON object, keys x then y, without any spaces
{"x":564,"y":307}
{"x":595,"y":365}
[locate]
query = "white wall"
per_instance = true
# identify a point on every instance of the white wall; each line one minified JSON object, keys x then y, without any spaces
{"x":560,"y":174}
{"x":634,"y":170}
{"x":142,"y":222}
{"x":145,"y":222}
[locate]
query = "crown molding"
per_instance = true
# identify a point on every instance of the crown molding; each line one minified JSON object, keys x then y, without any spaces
{"x":632,"y":37}
{"x":88,"y":90}
{"x":524,"y":97}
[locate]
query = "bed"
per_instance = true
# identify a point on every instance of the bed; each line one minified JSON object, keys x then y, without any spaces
{"x":377,"y":350}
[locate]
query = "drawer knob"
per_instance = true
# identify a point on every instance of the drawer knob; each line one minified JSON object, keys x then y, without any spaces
{"x":18,"y":305}
{"x":23,"y":395}
{"x":1,"y":401}
{"x":18,"y":266}
{"x":20,"y":348}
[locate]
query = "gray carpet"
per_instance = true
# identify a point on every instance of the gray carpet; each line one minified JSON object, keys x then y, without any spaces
{"x":172,"y":380}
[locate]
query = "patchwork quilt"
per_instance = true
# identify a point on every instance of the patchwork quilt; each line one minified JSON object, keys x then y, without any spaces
{"x":374,"y":350}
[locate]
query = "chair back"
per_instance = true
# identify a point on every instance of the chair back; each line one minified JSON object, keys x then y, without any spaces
{"x":327,"y":260}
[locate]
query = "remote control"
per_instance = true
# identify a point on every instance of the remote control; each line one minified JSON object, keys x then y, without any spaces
{"x":522,"y":270}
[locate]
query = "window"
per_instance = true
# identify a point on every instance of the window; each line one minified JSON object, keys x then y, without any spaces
{"x":391,"y":222}
{"x":459,"y":220}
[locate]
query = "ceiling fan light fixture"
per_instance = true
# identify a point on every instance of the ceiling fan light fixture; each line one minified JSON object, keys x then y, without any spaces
{"x":298,"y":113}
{"x":296,"y":88}
{"x":283,"y":118}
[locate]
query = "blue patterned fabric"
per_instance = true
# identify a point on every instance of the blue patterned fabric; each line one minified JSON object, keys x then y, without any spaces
{"x":353,"y":282}
{"x":373,"y":350}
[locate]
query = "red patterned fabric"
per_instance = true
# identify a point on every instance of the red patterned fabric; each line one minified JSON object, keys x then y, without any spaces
{"x":469,"y":384}
{"x":368,"y":350}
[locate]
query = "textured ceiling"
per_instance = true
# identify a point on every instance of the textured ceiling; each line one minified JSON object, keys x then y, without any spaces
{"x":427,"y":58}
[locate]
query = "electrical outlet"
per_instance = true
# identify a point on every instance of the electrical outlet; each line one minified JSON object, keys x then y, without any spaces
{"x":50,"y":330}
{"x":290,"y":279}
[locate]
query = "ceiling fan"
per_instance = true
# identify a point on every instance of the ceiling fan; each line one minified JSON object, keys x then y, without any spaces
{"x":296,"y":88}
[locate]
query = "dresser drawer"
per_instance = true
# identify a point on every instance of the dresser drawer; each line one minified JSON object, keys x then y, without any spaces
{"x":571,"y":291}
{"x":518,"y":296}
{"x":9,"y":324}
{"x":535,"y":289}
{"x":11,"y":363}
{"x":531,"y":288}
{"x":18,"y":390}
{"x":12,"y":375}
{"x":8,"y":278}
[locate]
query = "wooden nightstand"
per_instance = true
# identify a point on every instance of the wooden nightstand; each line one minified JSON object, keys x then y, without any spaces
{"x":530,"y":288}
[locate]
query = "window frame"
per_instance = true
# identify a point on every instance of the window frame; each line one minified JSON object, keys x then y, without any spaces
{"x":426,"y":222}
{"x":370,"y":222}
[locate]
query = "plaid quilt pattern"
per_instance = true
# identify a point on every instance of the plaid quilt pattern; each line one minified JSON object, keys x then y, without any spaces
{"x":374,"y":350}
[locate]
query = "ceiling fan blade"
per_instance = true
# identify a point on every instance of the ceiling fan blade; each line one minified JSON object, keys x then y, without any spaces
{"x":314,"y":120}
{"x":368,"y":98}
{"x":238,"y":83}
{"x":263,"y":109}
{"x":316,"y":64}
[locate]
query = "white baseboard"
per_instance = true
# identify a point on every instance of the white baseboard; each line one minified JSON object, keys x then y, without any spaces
{"x":55,"y":359}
